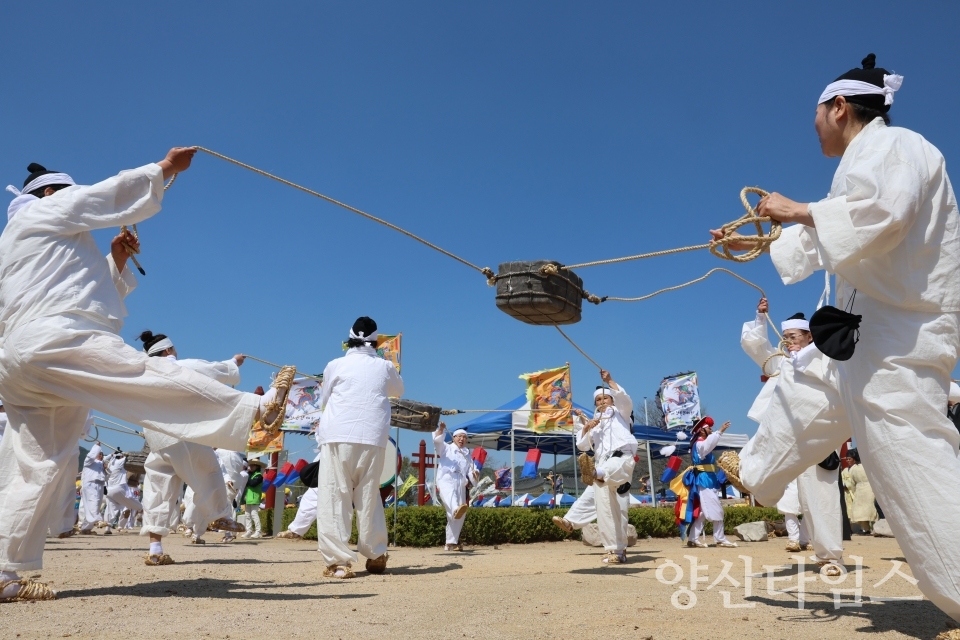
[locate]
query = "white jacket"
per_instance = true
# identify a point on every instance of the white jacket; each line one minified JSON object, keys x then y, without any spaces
{"x":888,"y":228}
{"x":613,"y":432}
{"x":355,"y":398}
{"x":49,"y":262}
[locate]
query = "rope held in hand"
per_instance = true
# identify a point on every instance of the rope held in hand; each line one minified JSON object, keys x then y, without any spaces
{"x":131,"y":250}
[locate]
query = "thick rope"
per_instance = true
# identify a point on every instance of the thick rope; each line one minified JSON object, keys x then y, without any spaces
{"x":720,"y":247}
{"x":575,"y":346}
{"x":279,"y":366}
{"x":487,"y":271}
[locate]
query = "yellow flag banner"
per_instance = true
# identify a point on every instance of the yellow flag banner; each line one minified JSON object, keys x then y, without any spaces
{"x":407,"y":485}
{"x":388,"y":348}
{"x":261,"y":441}
{"x":550,"y":398}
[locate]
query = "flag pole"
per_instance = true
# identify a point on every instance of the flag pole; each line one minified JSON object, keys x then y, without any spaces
{"x":653,"y":493}
{"x":396,"y":491}
{"x":513,"y":469}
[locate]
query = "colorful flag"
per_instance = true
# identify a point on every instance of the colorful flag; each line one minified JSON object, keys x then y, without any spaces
{"x":282,"y":474}
{"x":479,"y":456}
{"x":550,"y":398}
{"x":408,"y":484}
{"x":531,"y":464}
{"x":680,"y":400}
{"x":269,"y":479}
{"x":303,"y":406}
{"x":504,"y":478}
{"x":261,"y":442}
{"x":672,"y":469}
{"x":388,"y":348}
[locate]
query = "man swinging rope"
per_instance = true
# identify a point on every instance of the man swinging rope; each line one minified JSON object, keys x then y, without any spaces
{"x":61,"y":308}
{"x":890,"y":230}
{"x":801,"y":399}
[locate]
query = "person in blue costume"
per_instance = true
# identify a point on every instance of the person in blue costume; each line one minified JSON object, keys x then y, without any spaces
{"x":705,"y":440}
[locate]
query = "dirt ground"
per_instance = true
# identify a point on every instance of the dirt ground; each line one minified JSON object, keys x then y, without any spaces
{"x":273,"y":588}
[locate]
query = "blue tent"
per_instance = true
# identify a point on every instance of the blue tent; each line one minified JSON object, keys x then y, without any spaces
{"x":543,"y":500}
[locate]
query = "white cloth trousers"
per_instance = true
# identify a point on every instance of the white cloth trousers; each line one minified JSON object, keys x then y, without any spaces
{"x":92,"y":496}
{"x":611,"y":511}
{"x":710,"y":508}
{"x":306,"y":513}
{"x":118,"y":498}
{"x":33,"y":463}
{"x":63,"y":517}
{"x":796,"y":531}
{"x":583,"y":511}
{"x":350,"y":478}
{"x":166,"y":471}
{"x":452,"y":490}
{"x":253,"y":518}
{"x":822,"y":518}
{"x":52,"y":371}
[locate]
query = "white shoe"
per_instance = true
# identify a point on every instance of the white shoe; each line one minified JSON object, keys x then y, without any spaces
{"x":247,"y":534}
{"x":727,"y":543}
{"x":257,"y":535}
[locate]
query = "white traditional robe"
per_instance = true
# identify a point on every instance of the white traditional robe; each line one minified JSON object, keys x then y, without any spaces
{"x":92,"y":480}
{"x":612,"y":434}
{"x":583,"y":511}
{"x":801,"y":417}
{"x":890,"y":229}
{"x":455,"y":469}
{"x":61,"y":305}
{"x":353,"y":435}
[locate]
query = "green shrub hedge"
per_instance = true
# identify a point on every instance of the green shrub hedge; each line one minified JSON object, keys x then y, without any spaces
{"x":424,"y":526}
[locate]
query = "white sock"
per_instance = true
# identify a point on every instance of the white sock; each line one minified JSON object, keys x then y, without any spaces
{"x":599,"y":473}
{"x":12,"y":590}
{"x":156,"y":549}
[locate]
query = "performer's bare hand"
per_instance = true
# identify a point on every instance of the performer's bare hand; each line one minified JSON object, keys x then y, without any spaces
{"x":605,"y":375}
{"x":724,"y":426}
{"x":119,"y":252}
{"x":239,"y":358}
{"x":734,"y":245}
{"x":177,"y":161}
{"x":784,"y":209}
{"x":764,"y":306}
{"x":443,"y":427}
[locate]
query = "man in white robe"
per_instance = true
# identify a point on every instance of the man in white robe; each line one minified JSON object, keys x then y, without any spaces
{"x":614,"y":446}
{"x":454,"y":470}
{"x":353,"y":435}
{"x":172,"y":462}
{"x":92,"y":480}
{"x":118,"y":497}
{"x":61,"y":307}
{"x":584,"y":509}
{"x":801,"y":399}
{"x":889,"y":229}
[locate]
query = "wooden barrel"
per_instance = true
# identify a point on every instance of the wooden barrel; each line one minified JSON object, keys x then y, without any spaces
{"x":135,"y":460}
{"x":413,"y":415}
{"x":535,"y":298}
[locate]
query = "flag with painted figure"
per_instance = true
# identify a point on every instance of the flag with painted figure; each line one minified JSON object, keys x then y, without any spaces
{"x":388,"y":348}
{"x":679,"y":398}
{"x":303,"y":406}
{"x":550,"y":398}
{"x":504,"y":478}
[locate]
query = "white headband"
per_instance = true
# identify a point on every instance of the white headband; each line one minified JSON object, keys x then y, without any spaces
{"x":163,"y":345}
{"x":798,"y":323}
{"x":459,"y":432}
{"x":891,"y":84}
{"x":354,"y":336}
{"x":42,"y":181}
{"x":602,"y":392}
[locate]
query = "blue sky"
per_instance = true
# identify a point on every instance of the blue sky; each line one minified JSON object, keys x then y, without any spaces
{"x":500,"y":131}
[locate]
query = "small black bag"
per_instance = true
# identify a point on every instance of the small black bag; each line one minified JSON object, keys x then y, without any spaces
{"x":309,"y":475}
{"x":831,"y":463}
{"x":836,"y":332}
